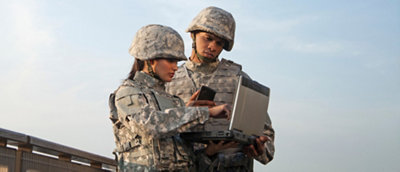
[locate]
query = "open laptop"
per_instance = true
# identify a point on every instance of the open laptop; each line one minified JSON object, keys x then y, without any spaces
{"x":249,"y":115}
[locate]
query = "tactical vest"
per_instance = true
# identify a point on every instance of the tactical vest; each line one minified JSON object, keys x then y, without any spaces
{"x":223,"y":80}
{"x":167,"y":153}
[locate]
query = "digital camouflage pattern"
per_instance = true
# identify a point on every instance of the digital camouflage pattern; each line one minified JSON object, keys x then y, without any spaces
{"x":216,"y":21}
{"x":146,"y":129}
{"x":157,"y":41}
{"x":191,"y":76}
{"x":221,"y":76}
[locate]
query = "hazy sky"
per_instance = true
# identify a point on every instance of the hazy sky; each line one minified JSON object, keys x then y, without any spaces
{"x":333,"y":68}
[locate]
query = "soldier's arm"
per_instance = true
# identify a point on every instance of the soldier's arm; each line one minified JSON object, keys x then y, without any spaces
{"x":136,"y":113}
{"x":269,"y":147}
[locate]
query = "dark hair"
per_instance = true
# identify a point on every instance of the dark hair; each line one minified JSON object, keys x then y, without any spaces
{"x":137,"y":66}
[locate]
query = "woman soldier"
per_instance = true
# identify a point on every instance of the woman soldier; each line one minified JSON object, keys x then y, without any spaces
{"x":146,"y":119}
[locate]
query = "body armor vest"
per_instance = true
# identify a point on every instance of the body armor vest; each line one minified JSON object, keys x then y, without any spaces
{"x":223,"y":80}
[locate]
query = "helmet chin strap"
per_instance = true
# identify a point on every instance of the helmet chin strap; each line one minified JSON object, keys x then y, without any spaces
{"x":151,"y":71}
{"x":200,"y":57}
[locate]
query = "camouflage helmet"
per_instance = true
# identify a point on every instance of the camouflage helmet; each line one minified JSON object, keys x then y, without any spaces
{"x":216,"y":21}
{"x":157,"y":41}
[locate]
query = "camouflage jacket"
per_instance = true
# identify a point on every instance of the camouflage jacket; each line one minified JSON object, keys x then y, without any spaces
{"x":146,"y":121}
{"x":222,"y":76}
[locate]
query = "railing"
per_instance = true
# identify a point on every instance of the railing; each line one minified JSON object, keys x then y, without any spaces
{"x":21,"y":153}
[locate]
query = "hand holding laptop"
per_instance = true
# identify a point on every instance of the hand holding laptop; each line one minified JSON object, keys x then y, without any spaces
{"x":213,"y":148}
{"x":257,"y":149}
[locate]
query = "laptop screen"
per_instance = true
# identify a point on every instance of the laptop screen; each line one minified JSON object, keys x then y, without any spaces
{"x":250,"y":107}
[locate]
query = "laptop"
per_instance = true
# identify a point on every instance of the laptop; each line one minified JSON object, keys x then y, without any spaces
{"x":248,"y":116}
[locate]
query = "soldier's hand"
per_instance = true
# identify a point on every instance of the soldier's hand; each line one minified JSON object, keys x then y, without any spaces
{"x":213,"y":148}
{"x":193,"y":102}
{"x":207,"y":103}
{"x":252,"y":151}
{"x":220,"y":111}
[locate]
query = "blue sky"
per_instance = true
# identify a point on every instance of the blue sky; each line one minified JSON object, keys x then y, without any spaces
{"x":333,"y":68}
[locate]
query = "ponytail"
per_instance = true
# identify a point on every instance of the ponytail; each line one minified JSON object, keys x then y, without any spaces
{"x":137,"y":66}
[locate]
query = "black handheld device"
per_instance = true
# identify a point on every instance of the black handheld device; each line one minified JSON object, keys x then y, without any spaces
{"x":206,"y":93}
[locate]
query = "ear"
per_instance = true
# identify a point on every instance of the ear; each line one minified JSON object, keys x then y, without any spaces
{"x":153,"y":64}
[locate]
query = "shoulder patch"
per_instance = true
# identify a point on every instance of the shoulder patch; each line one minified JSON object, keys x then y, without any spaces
{"x":126,"y":91}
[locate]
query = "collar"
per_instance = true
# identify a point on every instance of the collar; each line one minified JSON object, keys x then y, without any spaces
{"x":202,"y":67}
{"x":149,"y":81}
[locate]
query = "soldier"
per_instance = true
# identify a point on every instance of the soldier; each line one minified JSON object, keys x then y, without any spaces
{"x":212,"y":30}
{"x":146,"y":120}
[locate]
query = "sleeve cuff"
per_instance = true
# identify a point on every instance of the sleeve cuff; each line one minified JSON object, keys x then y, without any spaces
{"x":204,"y":114}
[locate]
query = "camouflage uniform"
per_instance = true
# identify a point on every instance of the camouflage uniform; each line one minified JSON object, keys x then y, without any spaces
{"x":146,"y":119}
{"x":222,"y":76}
